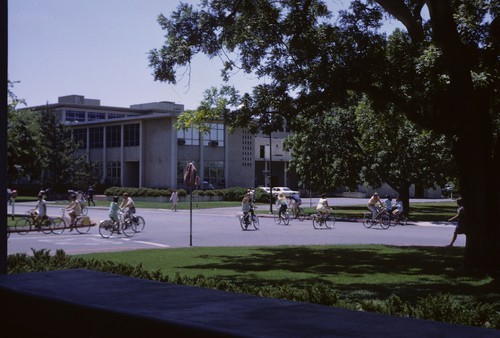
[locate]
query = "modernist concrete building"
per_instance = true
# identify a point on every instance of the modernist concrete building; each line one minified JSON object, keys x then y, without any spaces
{"x":140,"y":146}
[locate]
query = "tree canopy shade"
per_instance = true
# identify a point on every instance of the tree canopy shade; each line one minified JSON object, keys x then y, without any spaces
{"x":442,"y":73}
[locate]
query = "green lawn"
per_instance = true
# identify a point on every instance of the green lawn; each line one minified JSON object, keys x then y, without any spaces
{"x":360,"y":271}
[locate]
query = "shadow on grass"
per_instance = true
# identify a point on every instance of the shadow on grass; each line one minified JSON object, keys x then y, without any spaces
{"x":410,"y":272}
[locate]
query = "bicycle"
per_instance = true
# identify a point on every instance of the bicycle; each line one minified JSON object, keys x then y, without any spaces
{"x":108,"y":227}
{"x":26,"y":224}
{"x":138,"y":223}
{"x":382,"y":219}
{"x":325,"y":220}
{"x":247,"y":219}
{"x":82,"y":223}
{"x":298,"y":213}
{"x":284,"y":217}
{"x":399,"y":218}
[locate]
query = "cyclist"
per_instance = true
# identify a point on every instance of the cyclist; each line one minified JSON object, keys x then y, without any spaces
{"x":388,"y":204}
{"x":251,"y":196}
{"x":323,"y":208}
{"x":282,"y":204}
{"x":295,"y":202}
{"x":75,"y":209}
{"x":113,"y":211}
{"x":398,"y":207}
{"x":40,"y":212}
{"x":128,"y":205}
{"x":372,"y":205}
{"x":246,"y":207}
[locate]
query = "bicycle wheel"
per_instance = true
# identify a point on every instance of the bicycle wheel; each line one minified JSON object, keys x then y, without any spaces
{"x":385,"y":221}
{"x":301,"y":215}
{"x":286,"y":218}
{"x":242,"y":222}
{"x":46,"y":226}
{"x":330,"y":221}
{"x":139,"y":223}
{"x":82,"y":229}
{"x":23,"y":226}
{"x":367,"y":220}
{"x":255,"y":222}
{"x":106,"y":228}
{"x":277,"y":218}
{"x":128,"y":228}
{"x":58,"y":225}
{"x":85,"y":210}
{"x":316,"y":222}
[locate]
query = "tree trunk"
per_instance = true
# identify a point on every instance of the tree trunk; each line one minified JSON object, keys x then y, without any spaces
{"x":473,"y":154}
{"x":404,"y":195}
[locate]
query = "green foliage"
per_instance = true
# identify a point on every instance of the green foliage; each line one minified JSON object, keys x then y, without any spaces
{"x":24,"y":137}
{"x":143,"y":192}
{"x":234,"y":194}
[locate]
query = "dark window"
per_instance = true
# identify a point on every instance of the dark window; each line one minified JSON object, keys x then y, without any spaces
{"x":96,"y":137}
{"x":92,"y":116}
{"x":75,"y":115}
{"x":131,"y":135}
{"x":113,"y":136}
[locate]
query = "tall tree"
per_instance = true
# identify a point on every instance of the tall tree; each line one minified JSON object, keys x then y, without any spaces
{"x":448,"y":82}
{"x":62,"y":168}
{"x":23,"y":134}
{"x":357,"y":145}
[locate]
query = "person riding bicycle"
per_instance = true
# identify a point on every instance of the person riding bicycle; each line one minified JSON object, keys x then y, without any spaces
{"x":372,"y":205}
{"x":398,"y":207}
{"x":251,"y":196}
{"x":113,"y":211}
{"x":323,"y":208}
{"x":75,"y":209}
{"x":39,"y":214}
{"x":246,"y":207}
{"x":282,"y":204}
{"x":388,"y":204}
{"x":295,"y":203}
{"x":128,"y":205}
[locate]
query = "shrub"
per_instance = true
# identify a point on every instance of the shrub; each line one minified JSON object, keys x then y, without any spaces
{"x":210,"y":193}
{"x":234,"y":194}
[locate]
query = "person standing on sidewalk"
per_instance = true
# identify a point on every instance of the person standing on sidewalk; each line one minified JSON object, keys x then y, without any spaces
{"x":90,"y":195}
{"x":174,"y":198}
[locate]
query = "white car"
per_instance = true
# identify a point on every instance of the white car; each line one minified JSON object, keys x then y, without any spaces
{"x":284,"y":190}
{"x":266,"y":189}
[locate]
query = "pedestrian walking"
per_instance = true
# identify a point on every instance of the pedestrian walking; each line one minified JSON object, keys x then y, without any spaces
{"x":174,"y":198}
{"x":460,"y":217}
{"x":90,"y":195}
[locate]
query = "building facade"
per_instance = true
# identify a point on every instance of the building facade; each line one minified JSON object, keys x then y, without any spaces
{"x":140,"y":146}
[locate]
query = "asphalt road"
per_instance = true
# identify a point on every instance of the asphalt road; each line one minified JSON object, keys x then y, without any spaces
{"x":220,"y":227}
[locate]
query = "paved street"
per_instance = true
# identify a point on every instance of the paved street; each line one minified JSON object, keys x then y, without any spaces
{"x":220,"y":227}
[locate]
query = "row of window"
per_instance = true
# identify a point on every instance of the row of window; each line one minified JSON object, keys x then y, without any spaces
{"x":213,"y":172}
{"x":191,"y":136}
{"x":94,"y":136}
{"x":83,"y":116}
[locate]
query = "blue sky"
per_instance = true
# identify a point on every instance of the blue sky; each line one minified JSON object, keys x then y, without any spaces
{"x":98,"y":48}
